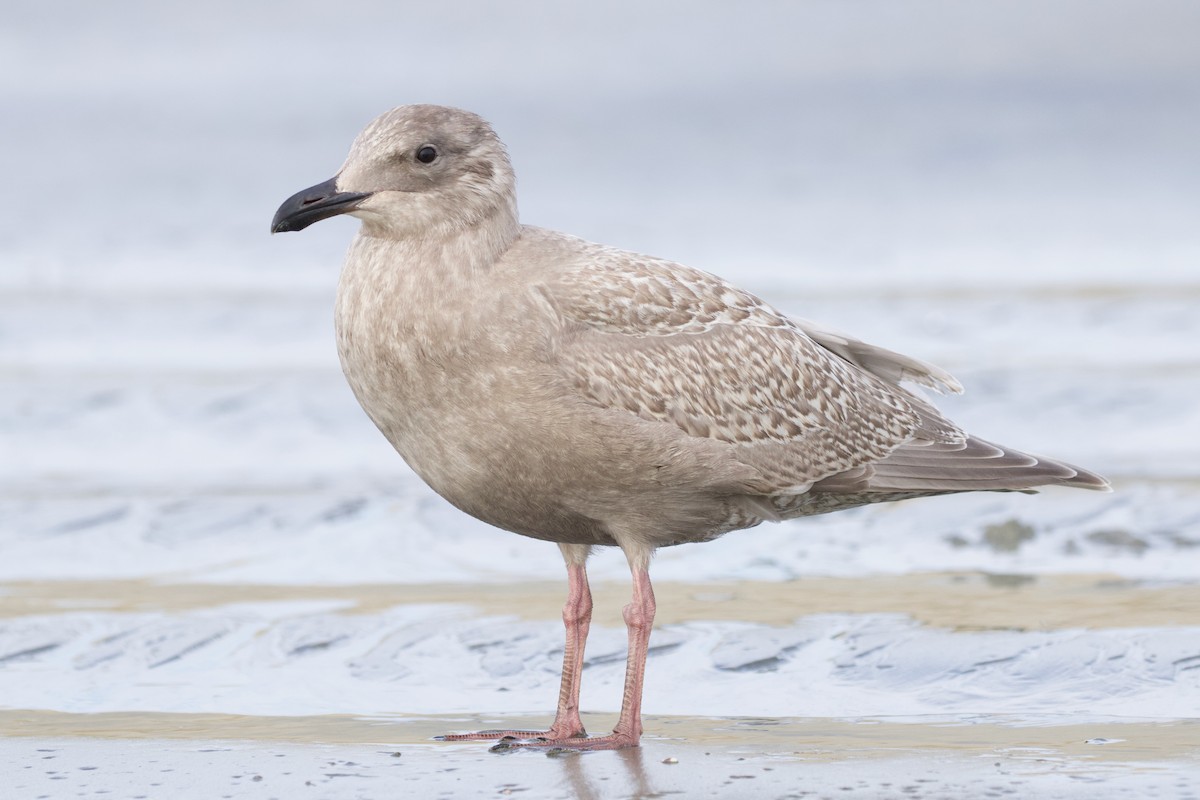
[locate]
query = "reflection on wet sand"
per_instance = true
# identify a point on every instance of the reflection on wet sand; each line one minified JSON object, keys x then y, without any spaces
{"x":586,"y":785}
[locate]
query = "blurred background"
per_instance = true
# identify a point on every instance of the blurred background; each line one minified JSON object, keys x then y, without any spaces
{"x":1008,"y":189}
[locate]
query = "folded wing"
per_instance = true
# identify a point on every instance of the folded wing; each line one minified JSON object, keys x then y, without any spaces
{"x":807,"y":407}
{"x":682,"y":347}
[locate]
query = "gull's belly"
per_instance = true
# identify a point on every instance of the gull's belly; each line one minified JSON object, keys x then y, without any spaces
{"x":487,"y":439}
{"x":500,"y":446}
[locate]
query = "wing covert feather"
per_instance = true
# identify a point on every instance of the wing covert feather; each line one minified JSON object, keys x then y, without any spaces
{"x":676,"y":345}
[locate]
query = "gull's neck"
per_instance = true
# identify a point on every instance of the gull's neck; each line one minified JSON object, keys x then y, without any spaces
{"x":439,"y":256}
{"x":426,"y":289}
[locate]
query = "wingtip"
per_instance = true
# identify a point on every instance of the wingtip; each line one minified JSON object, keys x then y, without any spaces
{"x":1104,"y":487}
{"x":1088,"y":480}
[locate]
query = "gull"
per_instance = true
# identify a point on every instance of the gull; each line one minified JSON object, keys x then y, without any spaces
{"x":589,"y":396}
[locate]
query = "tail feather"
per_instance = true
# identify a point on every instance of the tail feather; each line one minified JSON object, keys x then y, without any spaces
{"x":969,"y":465}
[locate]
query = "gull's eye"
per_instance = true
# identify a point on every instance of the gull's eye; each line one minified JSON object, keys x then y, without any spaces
{"x":427,"y":154}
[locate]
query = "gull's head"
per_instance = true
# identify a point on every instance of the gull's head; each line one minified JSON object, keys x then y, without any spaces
{"x":414,"y":171}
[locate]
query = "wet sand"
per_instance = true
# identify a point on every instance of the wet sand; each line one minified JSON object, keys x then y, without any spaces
{"x":209,"y":755}
{"x":820,"y":739}
{"x":963,"y":601}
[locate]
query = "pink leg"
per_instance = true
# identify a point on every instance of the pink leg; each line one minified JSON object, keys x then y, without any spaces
{"x":577,"y":618}
{"x":639,"y":619}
